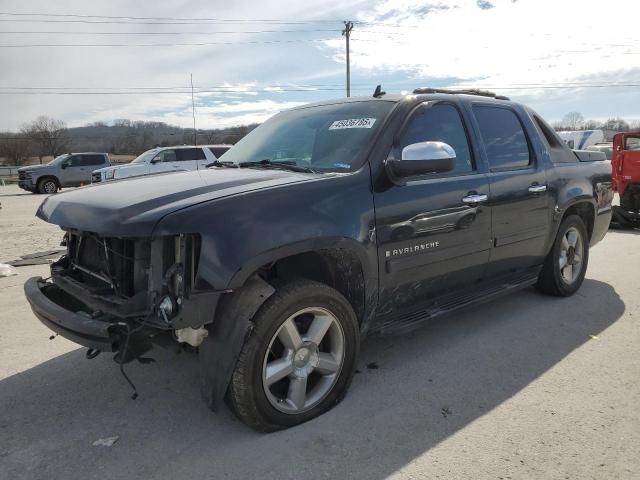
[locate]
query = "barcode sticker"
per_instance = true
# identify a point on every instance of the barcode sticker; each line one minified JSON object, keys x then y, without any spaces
{"x":352,"y":123}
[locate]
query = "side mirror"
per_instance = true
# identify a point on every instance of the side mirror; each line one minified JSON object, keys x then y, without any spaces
{"x":64,"y":165}
{"x":423,"y":158}
{"x":154,"y":161}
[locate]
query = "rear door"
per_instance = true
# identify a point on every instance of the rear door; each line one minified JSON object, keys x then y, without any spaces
{"x":431,"y":239}
{"x":521,"y":205}
{"x":75,"y":171}
{"x":190,"y":158}
{"x":91,"y":162}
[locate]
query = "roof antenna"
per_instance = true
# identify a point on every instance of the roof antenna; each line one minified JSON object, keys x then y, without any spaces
{"x":378,"y":92}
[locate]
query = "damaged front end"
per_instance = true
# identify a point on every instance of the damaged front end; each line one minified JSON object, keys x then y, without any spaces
{"x":125,"y":294}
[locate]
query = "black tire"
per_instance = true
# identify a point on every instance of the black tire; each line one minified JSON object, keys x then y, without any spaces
{"x":47,"y":185}
{"x":246,"y":395}
{"x":551,"y":281}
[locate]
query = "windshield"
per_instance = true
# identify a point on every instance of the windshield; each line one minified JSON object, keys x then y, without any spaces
{"x":58,"y":160}
{"x":327,"y":138}
{"x":148,"y":155}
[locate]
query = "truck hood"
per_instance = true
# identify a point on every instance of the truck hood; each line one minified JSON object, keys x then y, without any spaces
{"x":30,"y":168}
{"x":132,"y":207}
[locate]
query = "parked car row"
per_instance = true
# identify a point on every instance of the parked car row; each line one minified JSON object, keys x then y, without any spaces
{"x":76,"y":169}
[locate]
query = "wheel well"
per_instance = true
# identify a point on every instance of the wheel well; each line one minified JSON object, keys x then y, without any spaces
{"x":586,"y":212}
{"x":49,"y":177}
{"x":337,"y":268}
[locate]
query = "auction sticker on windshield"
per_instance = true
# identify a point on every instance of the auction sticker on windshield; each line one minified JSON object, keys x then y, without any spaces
{"x":352,"y":123}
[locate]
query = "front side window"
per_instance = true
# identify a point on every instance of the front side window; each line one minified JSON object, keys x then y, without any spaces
{"x":166,"y":156}
{"x":75,"y":161}
{"x":326,"y":138}
{"x":439,"y":123}
{"x":504,"y":139}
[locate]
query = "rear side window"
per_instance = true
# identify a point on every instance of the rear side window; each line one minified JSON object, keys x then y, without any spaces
{"x":440,"y":123}
{"x":218,"y":151}
{"x":632,"y":143}
{"x":186,"y":154}
{"x":504,"y":139}
{"x":550,"y":136}
{"x":93,"y":159}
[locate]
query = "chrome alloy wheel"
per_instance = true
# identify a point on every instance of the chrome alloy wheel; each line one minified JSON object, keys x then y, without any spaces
{"x":303,"y":361}
{"x":50,"y":187}
{"x":571,"y":254}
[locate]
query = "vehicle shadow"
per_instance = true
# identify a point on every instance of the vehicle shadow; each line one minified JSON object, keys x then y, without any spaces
{"x":412,"y":392}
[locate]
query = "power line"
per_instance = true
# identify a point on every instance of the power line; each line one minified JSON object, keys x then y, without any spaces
{"x":172,"y":92}
{"x":300,"y":89}
{"x":127,"y":17}
{"x":169,"y":33}
{"x":143,"y":45}
{"x":131,"y":20}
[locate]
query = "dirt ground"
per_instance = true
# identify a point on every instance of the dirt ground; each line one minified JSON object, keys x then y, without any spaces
{"x":525,"y":387}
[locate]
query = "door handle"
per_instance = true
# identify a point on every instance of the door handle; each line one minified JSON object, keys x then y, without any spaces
{"x":537,"y":188}
{"x":475,"y":198}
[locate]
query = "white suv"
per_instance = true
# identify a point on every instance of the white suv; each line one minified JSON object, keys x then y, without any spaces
{"x":162,"y":159}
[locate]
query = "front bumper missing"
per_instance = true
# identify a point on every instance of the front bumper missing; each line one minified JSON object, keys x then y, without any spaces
{"x":69,"y":318}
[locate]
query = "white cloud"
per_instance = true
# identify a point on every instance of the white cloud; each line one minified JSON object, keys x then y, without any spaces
{"x":456,"y":42}
{"x":518,"y":44}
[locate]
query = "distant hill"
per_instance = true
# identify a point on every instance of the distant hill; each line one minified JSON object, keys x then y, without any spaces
{"x":123,"y":139}
{"x":132,"y":138}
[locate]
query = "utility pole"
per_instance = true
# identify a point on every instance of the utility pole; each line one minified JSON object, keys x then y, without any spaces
{"x":348,"y":26}
{"x":193,"y":110}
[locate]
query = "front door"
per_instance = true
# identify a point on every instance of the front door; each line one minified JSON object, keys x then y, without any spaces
{"x":434,"y":232}
{"x":521,"y":205}
{"x":165,"y":161}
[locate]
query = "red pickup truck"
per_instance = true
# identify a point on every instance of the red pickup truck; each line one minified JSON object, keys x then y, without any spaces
{"x":625,"y":165}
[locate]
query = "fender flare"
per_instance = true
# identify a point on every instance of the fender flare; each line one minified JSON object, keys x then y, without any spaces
{"x":219,"y":351}
{"x":562,"y":211}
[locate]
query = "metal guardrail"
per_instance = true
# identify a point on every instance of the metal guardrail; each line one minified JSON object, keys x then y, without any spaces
{"x":8,"y":172}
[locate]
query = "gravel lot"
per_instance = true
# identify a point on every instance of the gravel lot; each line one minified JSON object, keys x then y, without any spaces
{"x":524,"y":387}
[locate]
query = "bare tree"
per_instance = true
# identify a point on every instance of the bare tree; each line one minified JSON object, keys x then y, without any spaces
{"x":634,"y":125}
{"x":591,"y":125}
{"x":14,"y":148}
{"x":49,"y":136}
{"x":573,"y":120}
{"x":618,"y":124}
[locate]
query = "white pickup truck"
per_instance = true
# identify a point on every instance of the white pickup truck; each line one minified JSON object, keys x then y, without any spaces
{"x":162,"y":159}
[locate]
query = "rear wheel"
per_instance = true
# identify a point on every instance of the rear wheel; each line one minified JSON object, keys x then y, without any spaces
{"x":299,"y":360}
{"x":47,"y":186}
{"x":565,"y":267}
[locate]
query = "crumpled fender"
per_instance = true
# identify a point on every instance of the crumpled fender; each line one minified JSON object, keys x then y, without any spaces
{"x":220,"y":350}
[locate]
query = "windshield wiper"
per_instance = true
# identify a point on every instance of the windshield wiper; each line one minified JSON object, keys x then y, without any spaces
{"x":285,"y":165}
{"x":218,"y":163}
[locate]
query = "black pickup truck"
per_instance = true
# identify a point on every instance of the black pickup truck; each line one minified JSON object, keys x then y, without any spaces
{"x":327,"y":223}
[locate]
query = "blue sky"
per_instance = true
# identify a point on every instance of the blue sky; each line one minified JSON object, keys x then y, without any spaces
{"x":520,"y":48}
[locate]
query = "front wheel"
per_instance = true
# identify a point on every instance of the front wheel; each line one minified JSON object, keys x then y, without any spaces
{"x":299,"y":360}
{"x":47,"y":186}
{"x":566,"y":264}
